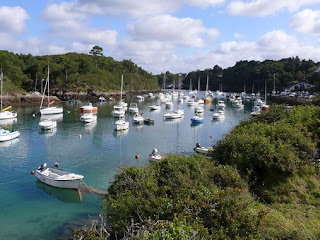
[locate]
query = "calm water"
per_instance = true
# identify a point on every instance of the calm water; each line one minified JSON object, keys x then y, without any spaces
{"x":32,"y":210}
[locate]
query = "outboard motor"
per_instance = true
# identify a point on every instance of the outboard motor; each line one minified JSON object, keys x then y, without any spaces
{"x":197,"y":145}
{"x":42,"y":167}
{"x":154,"y":151}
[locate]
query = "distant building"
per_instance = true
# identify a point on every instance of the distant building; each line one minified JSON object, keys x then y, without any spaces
{"x":301,"y":86}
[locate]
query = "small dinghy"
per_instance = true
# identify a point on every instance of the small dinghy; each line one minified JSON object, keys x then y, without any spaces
{"x":57,"y":178}
{"x":202,"y":150}
{"x":155,"y":156}
{"x":6,"y":135}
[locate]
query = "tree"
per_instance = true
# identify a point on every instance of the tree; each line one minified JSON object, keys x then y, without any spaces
{"x":96,"y":51}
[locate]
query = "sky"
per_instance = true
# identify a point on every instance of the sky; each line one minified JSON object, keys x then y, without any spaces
{"x":165,"y":35}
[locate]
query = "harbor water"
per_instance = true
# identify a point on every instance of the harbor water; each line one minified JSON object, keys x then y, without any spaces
{"x":33,"y":210}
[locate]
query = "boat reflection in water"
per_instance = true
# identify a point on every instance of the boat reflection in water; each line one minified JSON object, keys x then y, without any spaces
{"x":89,"y":127}
{"x":53,"y":117}
{"x":120,"y":134}
{"x":63,"y":194}
{"x":8,"y":122}
{"x":48,"y":133}
{"x":9,"y":143}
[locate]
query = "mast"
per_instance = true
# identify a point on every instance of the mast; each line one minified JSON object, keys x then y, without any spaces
{"x":190,"y":85}
{"x":274,"y":82}
{"x":48,"y":85}
{"x":265,"y":92}
{"x":121,"y":88}
{"x":207,"y":83}
{"x":198,"y":87}
{"x":164,"y":82}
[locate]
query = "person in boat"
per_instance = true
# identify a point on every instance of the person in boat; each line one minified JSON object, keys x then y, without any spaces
{"x":154,"y":152}
{"x":198,"y":145}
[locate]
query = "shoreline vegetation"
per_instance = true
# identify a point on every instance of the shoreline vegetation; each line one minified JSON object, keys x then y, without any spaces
{"x":263,"y":182}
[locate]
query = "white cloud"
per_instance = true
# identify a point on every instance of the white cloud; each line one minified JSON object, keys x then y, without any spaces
{"x":72,"y":26}
{"x":262,"y":8}
{"x":177,"y":31}
{"x":307,"y":21}
{"x":13,"y":19}
{"x":238,"y":35}
{"x":138,"y":8}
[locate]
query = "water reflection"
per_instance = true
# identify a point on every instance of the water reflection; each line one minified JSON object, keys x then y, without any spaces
{"x":64,"y":195}
{"x":48,"y":133}
{"x":53,"y":117}
{"x":8,"y":122}
{"x":89,"y":127}
{"x":120,"y":134}
{"x":173,"y":121}
{"x":9,"y":143}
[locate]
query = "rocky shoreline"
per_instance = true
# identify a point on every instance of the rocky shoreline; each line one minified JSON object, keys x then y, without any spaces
{"x":92,"y":96}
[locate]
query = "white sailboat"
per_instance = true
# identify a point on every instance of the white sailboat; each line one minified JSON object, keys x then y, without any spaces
{"x":49,"y":110}
{"x":4,"y":112}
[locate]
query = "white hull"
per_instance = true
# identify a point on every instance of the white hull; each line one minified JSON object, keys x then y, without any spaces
{"x":203,"y":150}
{"x":7,"y":115}
{"x":155,"y":107}
{"x":51,"y":110}
{"x":121,"y":125}
{"x":58,"y":178}
{"x":88,"y":118}
{"x":7,"y":136}
{"x":47,"y":125}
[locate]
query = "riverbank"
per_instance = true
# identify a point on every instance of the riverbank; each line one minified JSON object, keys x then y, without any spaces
{"x":92,"y":96}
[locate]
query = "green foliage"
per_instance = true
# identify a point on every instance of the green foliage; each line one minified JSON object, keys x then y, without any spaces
{"x":271,"y":149}
{"x":213,"y":199}
{"x":72,"y":69}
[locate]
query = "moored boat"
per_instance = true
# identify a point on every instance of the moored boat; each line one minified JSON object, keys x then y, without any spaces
{"x":6,"y":135}
{"x":58,"y":178}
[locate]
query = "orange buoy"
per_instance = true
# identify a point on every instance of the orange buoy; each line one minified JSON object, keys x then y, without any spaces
{"x":137,"y":156}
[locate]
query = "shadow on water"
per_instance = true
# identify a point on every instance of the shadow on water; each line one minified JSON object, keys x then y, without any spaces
{"x":64,"y":195}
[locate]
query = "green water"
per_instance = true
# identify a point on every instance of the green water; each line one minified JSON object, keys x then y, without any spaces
{"x":33,"y":210}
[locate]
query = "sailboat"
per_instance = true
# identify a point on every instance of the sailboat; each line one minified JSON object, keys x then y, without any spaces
{"x":49,"y":110}
{"x":4,"y":112}
{"x":207,"y":97}
{"x":200,"y":101}
{"x":120,"y":108}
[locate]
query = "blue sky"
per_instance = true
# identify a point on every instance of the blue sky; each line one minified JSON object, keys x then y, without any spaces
{"x":166,"y":35}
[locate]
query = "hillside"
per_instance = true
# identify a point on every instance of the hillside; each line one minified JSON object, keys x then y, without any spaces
{"x":72,"y":70}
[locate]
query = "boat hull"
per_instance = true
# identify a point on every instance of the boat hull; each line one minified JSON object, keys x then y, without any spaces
{"x":51,"y":110}
{"x":9,"y":136}
{"x":72,"y":182}
{"x":7,"y":115}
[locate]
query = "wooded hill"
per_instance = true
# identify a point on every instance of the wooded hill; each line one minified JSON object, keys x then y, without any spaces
{"x":251,"y":74}
{"x":71,"y":70}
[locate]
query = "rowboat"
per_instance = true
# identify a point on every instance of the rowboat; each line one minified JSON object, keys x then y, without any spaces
{"x":58,"y":178}
{"x":6,"y":135}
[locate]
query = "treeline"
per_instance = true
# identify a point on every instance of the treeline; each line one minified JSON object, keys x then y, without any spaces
{"x":71,"y":70}
{"x":251,"y":76}
{"x":263,"y":182}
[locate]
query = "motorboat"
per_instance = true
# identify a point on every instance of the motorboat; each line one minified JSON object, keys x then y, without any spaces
{"x":140,"y":98}
{"x":203,"y":150}
{"x":256,"y":110}
{"x":49,"y":110}
{"x":155,"y":107}
{"x":179,"y":111}
{"x":196,"y":119}
{"x":155,"y":156}
{"x":5,"y":114}
{"x":238,"y":103}
{"x":89,"y":108}
{"x":221,"y":104}
{"x":121,"y":125}
{"x":148,"y":121}
{"x":218,"y":115}
{"x":102,"y":99}
{"x":191,"y":102}
{"x":133,"y":108}
{"x":138,"y":119}
{"x":47,"y":124}
{"x":200,"y":101}
{"x":58,"y":178}
{"x":169,"y":104}
{"x":118,"y":111}
{"x":151,"y":96}
{"x":6,"y":135}
{"x":172,"y":115}
{"x":198,"y":109}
